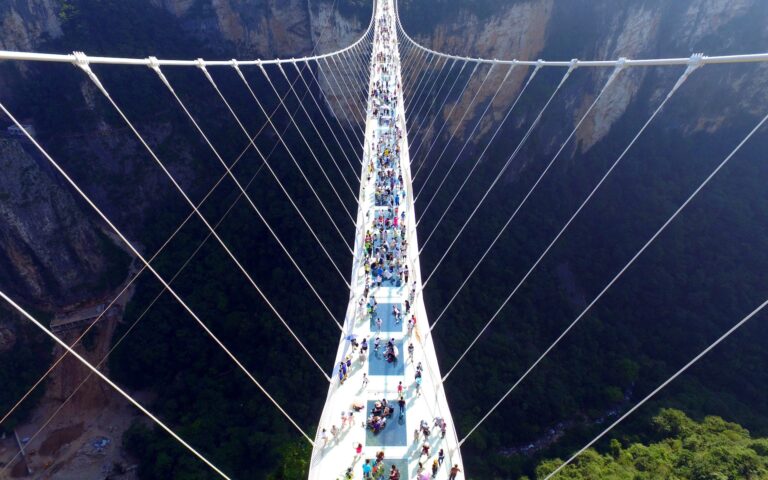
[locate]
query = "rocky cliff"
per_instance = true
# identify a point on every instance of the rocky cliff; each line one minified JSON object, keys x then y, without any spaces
{"x":50,"y":252}
{"x":528,"y":30}
{"x":25,"y":23}
{"x":59,"y":261}
{"x":266,"y":28}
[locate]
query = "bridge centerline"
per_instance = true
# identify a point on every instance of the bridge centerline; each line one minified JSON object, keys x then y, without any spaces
{"x":382,"y":304}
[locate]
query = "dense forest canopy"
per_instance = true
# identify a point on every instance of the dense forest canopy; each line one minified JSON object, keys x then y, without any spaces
{"x":684,"y":449}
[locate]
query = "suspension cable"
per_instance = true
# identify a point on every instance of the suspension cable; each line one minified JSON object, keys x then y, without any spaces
{"x":450,"y":114}
{"x":285,"y":191}
{"x":328,"y":102}
{"x":350,"y":96}
{"x":690,"y":69}
{"x":321,"y":137}
{"x":352,"y":107}
{"x":425,"y":115}
{"x":356,"y":68}
{"x":458,"y":155}
{"x":503,"y":169}
{"x":116,"y":344}
{"x":642,"y":249}
{"x":311,"y":151}
{"x":112,"y":384}
{"x":167,"y":83}
{"x":83,"y":65}
{"x":436,"y":115}
{"x":138,"y":274}
{"x":647,"y":62}
{"x":405,"y":61}
{"x":290,"y":153}
{"x":408,"y":72}
{"x":418,"y":102}
{"x":418,"y":90}
{"x":141,"y":258}
{"x":347,"y":113}
{"x":357,"y":64}
{"x":450,"y":139}
{"x":421,"y":103}
{"x":639,"y":404}
{"x":328,"y":124}
{"x":153,"y":257}
{"x":416,"y":76}
{"x":477,"y":264}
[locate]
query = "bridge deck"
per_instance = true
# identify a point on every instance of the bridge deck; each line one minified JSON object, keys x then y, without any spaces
{"x":385,"y":133}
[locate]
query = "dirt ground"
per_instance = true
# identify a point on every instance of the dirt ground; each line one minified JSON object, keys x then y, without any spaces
{"x":80,"y":439}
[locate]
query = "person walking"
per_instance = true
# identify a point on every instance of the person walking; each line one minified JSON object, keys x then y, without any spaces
{"x":410,"y":352}
{"x":324,"y":437}
{"x":435,"y":468}
{"x":440,"y":457}
{"x":454,"y":471}
{"x":367,"y":469}
{"x":394,"y":473}
{"x":359,"y":451}
{"x":401,"y":404}
{"x":399,"y":389}
{"x":438,"y":421}
{"x":365,"y":379}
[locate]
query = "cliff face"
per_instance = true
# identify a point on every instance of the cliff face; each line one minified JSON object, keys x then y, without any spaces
{"x":50,"y":251}
{"x":50,"y":246}
{"x":533,"y":29}
{"x":266,"y":28}
{"x":242,"y":29}
{"x":524,"y":29}
{"x":24,"y":23}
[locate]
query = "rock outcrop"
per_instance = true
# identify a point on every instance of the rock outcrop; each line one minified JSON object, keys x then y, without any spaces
{"x":51,"y":253}
{"x":528,"y":30}
{"x":24,"y":23}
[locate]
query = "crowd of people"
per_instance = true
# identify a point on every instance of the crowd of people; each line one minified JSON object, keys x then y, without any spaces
{"x":377,"y":469}
{"x":385,"y":264}
{"x":379,"y":415}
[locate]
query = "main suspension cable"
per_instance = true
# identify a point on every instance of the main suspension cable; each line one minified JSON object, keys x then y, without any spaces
{"x":691,"y":67}
{"x":450,"y":139}
{"x":477,"y":264}
{"x":141,"y":258}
